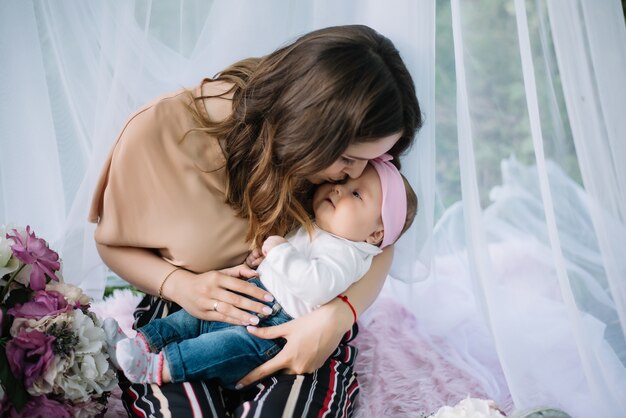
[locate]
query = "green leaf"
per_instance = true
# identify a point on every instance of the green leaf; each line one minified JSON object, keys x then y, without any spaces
{"x":13,"y":387}
{"x":109,"y":290}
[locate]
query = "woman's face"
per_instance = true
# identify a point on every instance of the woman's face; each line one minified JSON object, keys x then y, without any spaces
{"x":354,"y":159}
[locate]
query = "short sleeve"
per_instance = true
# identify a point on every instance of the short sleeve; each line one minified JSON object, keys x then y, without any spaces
{"x":162,"y":187}
{"x":131,"y":198}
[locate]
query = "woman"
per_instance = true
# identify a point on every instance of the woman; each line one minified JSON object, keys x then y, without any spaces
{"x":199,"y":177}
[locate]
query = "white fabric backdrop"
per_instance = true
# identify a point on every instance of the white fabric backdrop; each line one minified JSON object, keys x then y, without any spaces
{"x":523,"y":271}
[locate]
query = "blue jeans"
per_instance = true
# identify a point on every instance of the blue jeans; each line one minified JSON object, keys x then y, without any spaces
{"x":202,"y":350}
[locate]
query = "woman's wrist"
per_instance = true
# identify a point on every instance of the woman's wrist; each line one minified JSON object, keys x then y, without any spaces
{"x":342,"y":314}
{"x":174,"y":284}
{"x":346,"y":300}
{"x":167,"y":276}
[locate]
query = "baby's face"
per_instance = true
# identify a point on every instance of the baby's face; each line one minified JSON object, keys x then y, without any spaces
{"x":351,"y":210}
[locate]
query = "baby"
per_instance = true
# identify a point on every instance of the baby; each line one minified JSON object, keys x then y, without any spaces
{"x":354,"y":222}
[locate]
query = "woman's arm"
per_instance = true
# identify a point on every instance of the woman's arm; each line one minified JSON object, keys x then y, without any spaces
{"x":364,"y":292}
{"x":312,"y":338}
{"x":196,"y":293}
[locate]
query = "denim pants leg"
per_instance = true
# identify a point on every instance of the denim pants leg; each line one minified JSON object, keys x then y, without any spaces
{"x":227,"y":355}
{"x":176,"y":327}
{"x":202,"y":350}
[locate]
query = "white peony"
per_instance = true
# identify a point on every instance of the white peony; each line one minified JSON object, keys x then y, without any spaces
{"x":91,"y":338}
{"x":71,"y":293}
{"x":8,"y":263}
{"x":13,"y":263}
{"x":104,"y":376}
{"x":5,"y":243}
{"x":5,"y":251}
{"x":91,"y":373}
{"x":71,"y":385}
{"x":44,"y":384}
{"x":470,"y":408}
{"x":43,"y":324}
{"x":19,"y":324}
{"x":60,"y":364}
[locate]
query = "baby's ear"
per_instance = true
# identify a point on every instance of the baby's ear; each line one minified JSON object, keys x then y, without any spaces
{"x":376,"y":237}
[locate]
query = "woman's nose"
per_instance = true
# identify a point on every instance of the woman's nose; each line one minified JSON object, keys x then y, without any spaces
{"x":356,"y":169}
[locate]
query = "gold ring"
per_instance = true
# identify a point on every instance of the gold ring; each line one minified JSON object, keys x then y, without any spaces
{"x":215,"y":305}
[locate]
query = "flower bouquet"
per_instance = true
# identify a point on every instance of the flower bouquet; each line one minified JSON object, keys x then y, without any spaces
{"x":53,"y":350}
{"x":470,"y":408}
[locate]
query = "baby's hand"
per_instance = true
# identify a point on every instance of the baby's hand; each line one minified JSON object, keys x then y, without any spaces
{"x":254,"y":258}
{"x":272,"y":242}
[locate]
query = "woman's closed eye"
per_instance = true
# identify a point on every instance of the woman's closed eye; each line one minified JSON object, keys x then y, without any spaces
{"x":347,"y":161}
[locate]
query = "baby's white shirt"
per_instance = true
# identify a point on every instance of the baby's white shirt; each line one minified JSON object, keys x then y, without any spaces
{"x":304,"y":273}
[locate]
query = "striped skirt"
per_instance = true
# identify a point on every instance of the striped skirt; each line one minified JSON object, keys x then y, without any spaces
{"x":330,"y":391}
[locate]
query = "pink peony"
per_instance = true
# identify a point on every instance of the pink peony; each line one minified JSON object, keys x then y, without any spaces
{"x":42,"y":407}
{"x":29,"y":355}
{"x":42,"y":304}
{"x":35,"y":252}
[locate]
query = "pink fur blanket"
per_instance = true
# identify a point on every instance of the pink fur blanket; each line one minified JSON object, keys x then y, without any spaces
{"x":401,"y":375}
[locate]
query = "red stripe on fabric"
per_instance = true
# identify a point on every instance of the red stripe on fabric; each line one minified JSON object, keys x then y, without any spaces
{"x":133,"y":405}
{"x":331,"y":389}
{"x":347,"y":336}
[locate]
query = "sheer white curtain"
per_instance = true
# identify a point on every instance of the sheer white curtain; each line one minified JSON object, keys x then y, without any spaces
{"x":527,"y":266}
{"x":77,"y":69}
{"x":522,"y":272}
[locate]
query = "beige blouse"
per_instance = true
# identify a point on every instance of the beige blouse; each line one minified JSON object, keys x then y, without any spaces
{"x":160,"y":192}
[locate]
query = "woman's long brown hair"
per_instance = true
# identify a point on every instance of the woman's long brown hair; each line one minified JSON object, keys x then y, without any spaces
{"x":296,"y":110}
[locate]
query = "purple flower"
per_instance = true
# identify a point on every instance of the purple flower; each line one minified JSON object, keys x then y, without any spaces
{"x":35,"y":251}
{"x":44,"y":303}
{"x":42,"y":407}
{"x":29,"y":355}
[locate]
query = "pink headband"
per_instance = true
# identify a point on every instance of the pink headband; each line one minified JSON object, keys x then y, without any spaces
{"x":393,"y":209}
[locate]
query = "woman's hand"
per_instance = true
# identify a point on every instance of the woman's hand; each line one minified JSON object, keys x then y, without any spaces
{"x":198,"y":294}
{"x":311,"y":339}
{"x":218,"y":295}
